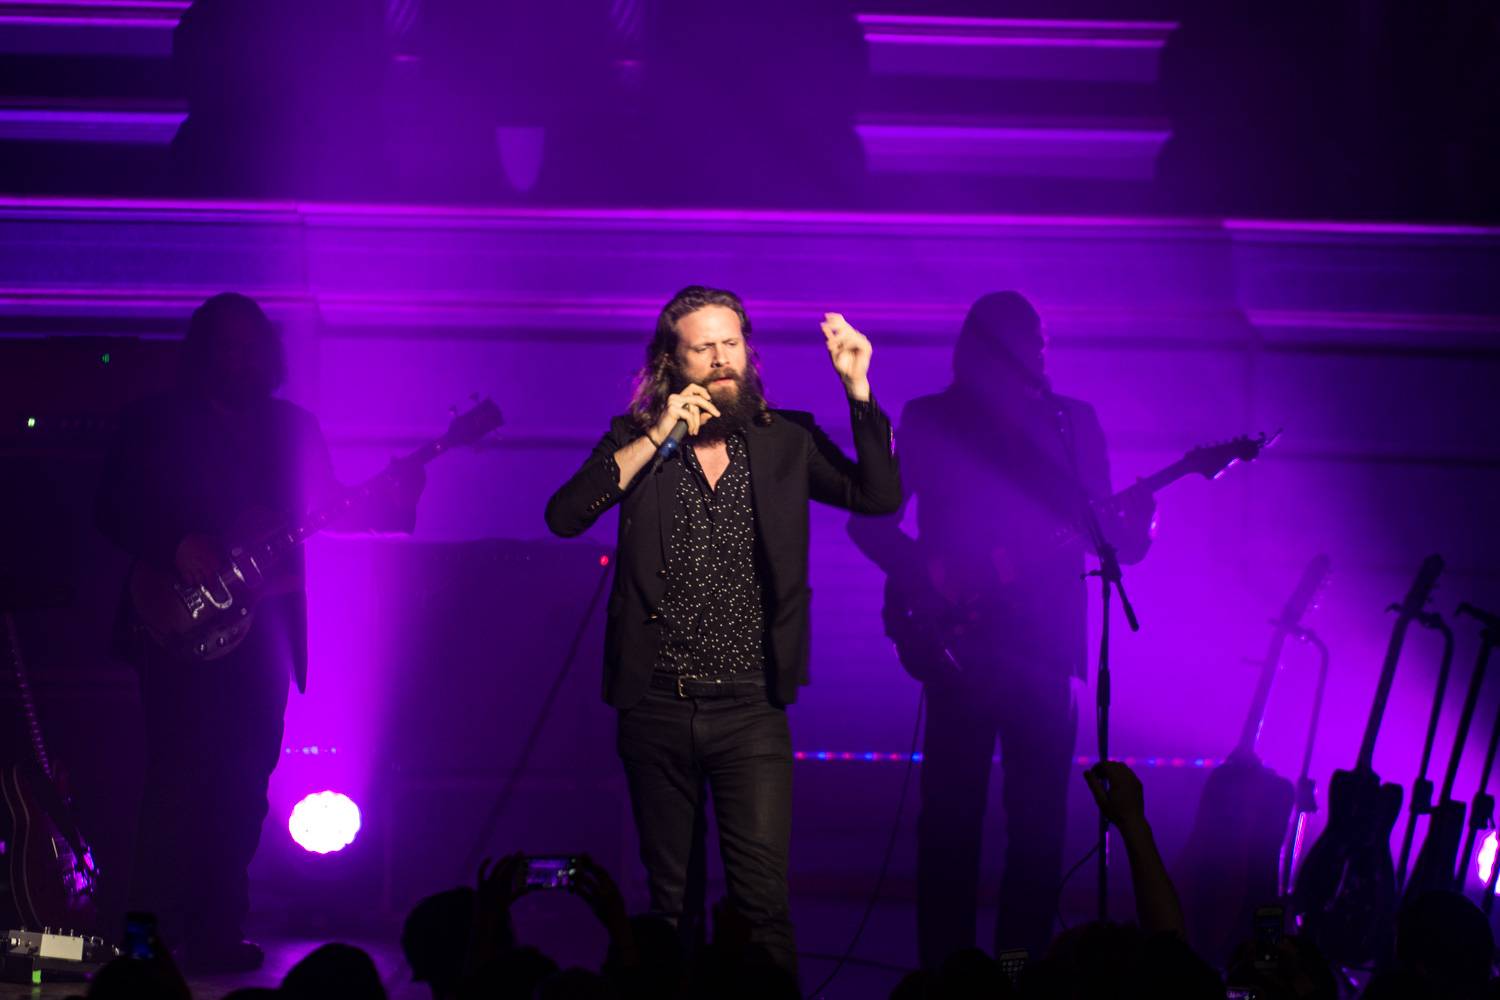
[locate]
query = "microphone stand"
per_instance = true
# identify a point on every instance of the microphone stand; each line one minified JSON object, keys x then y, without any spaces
{"x":1111,"y":579}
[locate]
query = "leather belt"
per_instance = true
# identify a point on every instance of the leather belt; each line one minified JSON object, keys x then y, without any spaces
{"x":689,"y":687}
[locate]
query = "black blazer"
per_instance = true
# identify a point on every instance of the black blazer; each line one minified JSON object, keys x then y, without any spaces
{"x":791,"y":462}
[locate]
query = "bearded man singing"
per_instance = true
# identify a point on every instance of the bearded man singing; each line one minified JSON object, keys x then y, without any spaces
{"x":707,"y":634}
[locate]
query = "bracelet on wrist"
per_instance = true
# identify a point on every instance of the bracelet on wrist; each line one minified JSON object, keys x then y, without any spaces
{"x":653,"y":440}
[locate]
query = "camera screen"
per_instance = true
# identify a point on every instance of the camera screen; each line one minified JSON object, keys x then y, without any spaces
{"x":549,"y":873}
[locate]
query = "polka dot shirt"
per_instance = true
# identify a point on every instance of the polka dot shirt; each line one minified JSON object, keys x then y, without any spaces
{"x":713,"y":613}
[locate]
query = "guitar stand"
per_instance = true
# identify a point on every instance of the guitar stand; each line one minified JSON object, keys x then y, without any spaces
{"x":1422,"y":788}
{"x":1482,"y":811}
{"x":1306,"y":801}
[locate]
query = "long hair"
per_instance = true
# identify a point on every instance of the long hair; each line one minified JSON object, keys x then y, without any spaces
{"x":195,"y":357}
{"x":658,"y":378}
{"x":1002,"y":329}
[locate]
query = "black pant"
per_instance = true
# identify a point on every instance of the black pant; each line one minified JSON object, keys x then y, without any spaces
{"x":1036,"y":721}
{"x":740,"y":748}
{"x":213,"y":737}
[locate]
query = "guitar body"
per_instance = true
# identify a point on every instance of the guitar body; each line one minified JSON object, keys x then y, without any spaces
{"x":191,"y":622}
{"x":932,"y":599}
{"x":51,"y":880}
{"x":1345,"y":895}
{"x":208,"y":622}
{"x":1229,"y":866}
{"x":923,"y":625}
{"x":1437,"y":863}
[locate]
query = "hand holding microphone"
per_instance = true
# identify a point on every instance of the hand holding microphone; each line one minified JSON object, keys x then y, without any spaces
{"x":685,"y":413}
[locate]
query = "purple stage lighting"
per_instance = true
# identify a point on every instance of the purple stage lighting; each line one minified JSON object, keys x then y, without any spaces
{"x":324,"y":822}
{"x":1484,"y":864}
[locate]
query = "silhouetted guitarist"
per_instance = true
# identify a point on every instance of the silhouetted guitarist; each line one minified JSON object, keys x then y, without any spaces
{"x":191,"y":473}
{"x":987,"y":607}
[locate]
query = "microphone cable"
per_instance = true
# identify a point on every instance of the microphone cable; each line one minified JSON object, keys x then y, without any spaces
{"x":890,"y":847}
{"x":502,"y":799}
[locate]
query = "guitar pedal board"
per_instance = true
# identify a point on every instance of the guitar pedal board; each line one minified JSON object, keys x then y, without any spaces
{"x":52,"y":955}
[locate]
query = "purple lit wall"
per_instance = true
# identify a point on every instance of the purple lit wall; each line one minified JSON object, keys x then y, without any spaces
{"x":1374,"y":348}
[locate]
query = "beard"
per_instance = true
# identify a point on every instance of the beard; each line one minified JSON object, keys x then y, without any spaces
{"x":738,"y":404}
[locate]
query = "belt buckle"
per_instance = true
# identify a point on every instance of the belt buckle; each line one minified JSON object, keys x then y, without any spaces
{"x":680,"y":692}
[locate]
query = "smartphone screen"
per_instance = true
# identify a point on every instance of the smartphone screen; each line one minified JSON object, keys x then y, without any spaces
{"x":550,"y":872}
{"x":140,"y":935}
{"x":1012,"y":962}
{"x":1269,"y":927}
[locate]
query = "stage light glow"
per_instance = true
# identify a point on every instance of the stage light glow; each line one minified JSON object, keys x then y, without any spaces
{"x":324,"y":822}
{"x":1486,"y":861}
{"x":31,"y":423}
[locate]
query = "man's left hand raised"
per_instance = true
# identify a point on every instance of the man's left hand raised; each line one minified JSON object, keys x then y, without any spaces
{"x":849,"y":350}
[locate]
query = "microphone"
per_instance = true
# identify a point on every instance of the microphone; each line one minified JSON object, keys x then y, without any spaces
{"x":674,"y":440}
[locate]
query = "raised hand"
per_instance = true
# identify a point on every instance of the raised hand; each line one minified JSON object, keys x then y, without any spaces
{"x":501,"y":883}
{"x":592,"y":884}
{"x":1118,"y":792}
{"x":849,"y":350}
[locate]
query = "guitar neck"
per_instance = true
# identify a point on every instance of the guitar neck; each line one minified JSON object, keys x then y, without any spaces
{"x":1157,"y":480}
{"x":1151,"y":484}
{"x":1250,"y":731}
{"x":270,"y":548}
{"x":1382,"y":695}
{"x":28,"y":707}
{"x":1466,"y":718}
{"x":1286,"y":624}
{"x":1406,"y":612}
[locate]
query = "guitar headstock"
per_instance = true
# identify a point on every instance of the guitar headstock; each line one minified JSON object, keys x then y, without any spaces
{"x":1213,"y":460}
{"x":1421,"y":587}
{"x":470,"y":426}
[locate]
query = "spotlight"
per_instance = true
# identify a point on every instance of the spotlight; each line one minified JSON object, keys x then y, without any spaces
{"x":324,"y":822}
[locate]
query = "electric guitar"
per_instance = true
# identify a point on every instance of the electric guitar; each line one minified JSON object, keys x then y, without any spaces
{"x":1420,"y":803}
{"x":930,"y":601}
{"x":50,"y":879}
{"x":1229,"y":865}
{"x":1436,"y":864}
{"x":209,"y":621}
{"x":1482,"y":809}
{"x":1345,"y":894}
